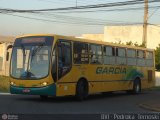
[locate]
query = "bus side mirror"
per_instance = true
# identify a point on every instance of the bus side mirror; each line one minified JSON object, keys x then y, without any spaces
{"x":9,"y":46}
{"x":7,"y":56}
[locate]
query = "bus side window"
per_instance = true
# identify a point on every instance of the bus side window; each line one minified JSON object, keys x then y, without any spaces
{"x":121,"y":56}
{"x":109,"y":55}
{"x":141,"y":58}
{"x":64,"y":57}
{"x":95,"y":54}
{"x":131,"y":57}
{"x":149,"y":59}
{"x":80,"y":53}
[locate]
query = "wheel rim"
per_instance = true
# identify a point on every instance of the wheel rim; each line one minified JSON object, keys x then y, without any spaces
{"x":137,"y":88}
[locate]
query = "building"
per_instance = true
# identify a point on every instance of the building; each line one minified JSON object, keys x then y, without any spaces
{"x":128,"y":33}
{"x":5,"y":42}
{"x":97,"y":37}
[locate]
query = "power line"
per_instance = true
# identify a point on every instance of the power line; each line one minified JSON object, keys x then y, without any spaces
{"x":70,"y":2}
{"x":55,"y":2}
{"x":109,"y":10}
{"x":115,"y":4}
{"x":75,"y":18}
{"x":154,"y":24}
{"x":153,"y":13}
{"x":70,"y":22}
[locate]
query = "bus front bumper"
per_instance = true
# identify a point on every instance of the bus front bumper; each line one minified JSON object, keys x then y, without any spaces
{"x":47,"y":90}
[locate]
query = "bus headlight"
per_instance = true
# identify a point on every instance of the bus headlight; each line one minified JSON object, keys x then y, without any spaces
{"x":12,"y":83}
{"x":44,"y":83}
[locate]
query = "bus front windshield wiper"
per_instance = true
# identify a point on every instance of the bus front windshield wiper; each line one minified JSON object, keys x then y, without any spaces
{"x":23,"y":50}
{"x":39,"y":47}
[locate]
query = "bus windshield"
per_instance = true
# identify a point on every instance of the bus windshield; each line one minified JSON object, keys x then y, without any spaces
{"x":31,"y":57}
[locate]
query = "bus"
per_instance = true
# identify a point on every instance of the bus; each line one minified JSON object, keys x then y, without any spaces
{"x":55,"y":65}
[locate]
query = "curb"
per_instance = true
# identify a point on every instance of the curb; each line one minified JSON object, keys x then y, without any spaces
{"x":149,"y":107}
{"x":1,"y":93}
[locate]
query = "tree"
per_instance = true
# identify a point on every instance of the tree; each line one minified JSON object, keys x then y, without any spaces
{"x":129,"y":43}
{"x":135,"y":44}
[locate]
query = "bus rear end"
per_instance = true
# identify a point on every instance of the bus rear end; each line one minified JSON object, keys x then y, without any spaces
{"x":30,"y":66}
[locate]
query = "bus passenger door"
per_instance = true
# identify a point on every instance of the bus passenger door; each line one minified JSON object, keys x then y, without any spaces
{"x":64,"y":58}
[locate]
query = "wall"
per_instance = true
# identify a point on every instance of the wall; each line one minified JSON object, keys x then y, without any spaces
{"x":132,"y":33}
{"x":97,"y":37}
{"x":4,"y":68}
{"x":1,"y":56}
{"x":157,"y":79}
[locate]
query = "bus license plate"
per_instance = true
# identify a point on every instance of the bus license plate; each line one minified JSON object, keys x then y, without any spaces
{"x":26,"y":90}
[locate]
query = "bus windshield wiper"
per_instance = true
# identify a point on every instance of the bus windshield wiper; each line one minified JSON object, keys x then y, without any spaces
{"x":37,"y":49}
{"x":23,"y":49}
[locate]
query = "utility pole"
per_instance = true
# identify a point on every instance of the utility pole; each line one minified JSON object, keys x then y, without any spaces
{"x":76,"y":3}
{"x":145,"y":23}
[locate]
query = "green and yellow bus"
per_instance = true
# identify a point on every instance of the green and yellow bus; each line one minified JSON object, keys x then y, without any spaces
{"x":55,"y":65}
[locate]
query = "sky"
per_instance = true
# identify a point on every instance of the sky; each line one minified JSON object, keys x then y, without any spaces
{"x":68,"y":22}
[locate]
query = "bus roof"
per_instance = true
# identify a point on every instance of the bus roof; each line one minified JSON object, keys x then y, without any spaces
{"x":87,"y":41}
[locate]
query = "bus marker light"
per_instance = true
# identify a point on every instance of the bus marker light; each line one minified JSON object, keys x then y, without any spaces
{"x":12,"y":83}
{"x":44,"y":83}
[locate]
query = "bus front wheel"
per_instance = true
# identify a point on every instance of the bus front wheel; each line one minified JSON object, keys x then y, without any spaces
{"x":81,"y":90}
{"x":43,"y":97}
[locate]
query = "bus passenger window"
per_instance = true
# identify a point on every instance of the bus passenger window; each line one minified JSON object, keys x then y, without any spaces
{"x":95,"y":54}
{"x":121,"y":56}
{"x":113,"y":51}
{"x":131,"y":57}
{"x":80,"y":53}
{"x":109,"y":55}
{"x":64,"y":58}
{"x":149,"y":59}
{"x":141,"y":58}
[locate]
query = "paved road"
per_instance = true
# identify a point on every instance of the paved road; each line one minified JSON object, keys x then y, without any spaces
{"x":115,"y":103}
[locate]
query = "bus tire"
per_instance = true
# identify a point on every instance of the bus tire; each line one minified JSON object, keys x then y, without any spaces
{"x":137,"y":86}
{"x":44,"y":97}
{"x":82,"y":90}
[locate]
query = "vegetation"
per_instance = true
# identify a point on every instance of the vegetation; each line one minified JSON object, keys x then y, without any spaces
{"x":135,"y":44}
{"x":4,"y":84}
{"x":157,"y":58}
{"x":156,"y":88}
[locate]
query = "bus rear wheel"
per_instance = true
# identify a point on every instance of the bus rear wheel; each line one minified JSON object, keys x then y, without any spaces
{"x":81,"y":90}
{"x":137,"y":86}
